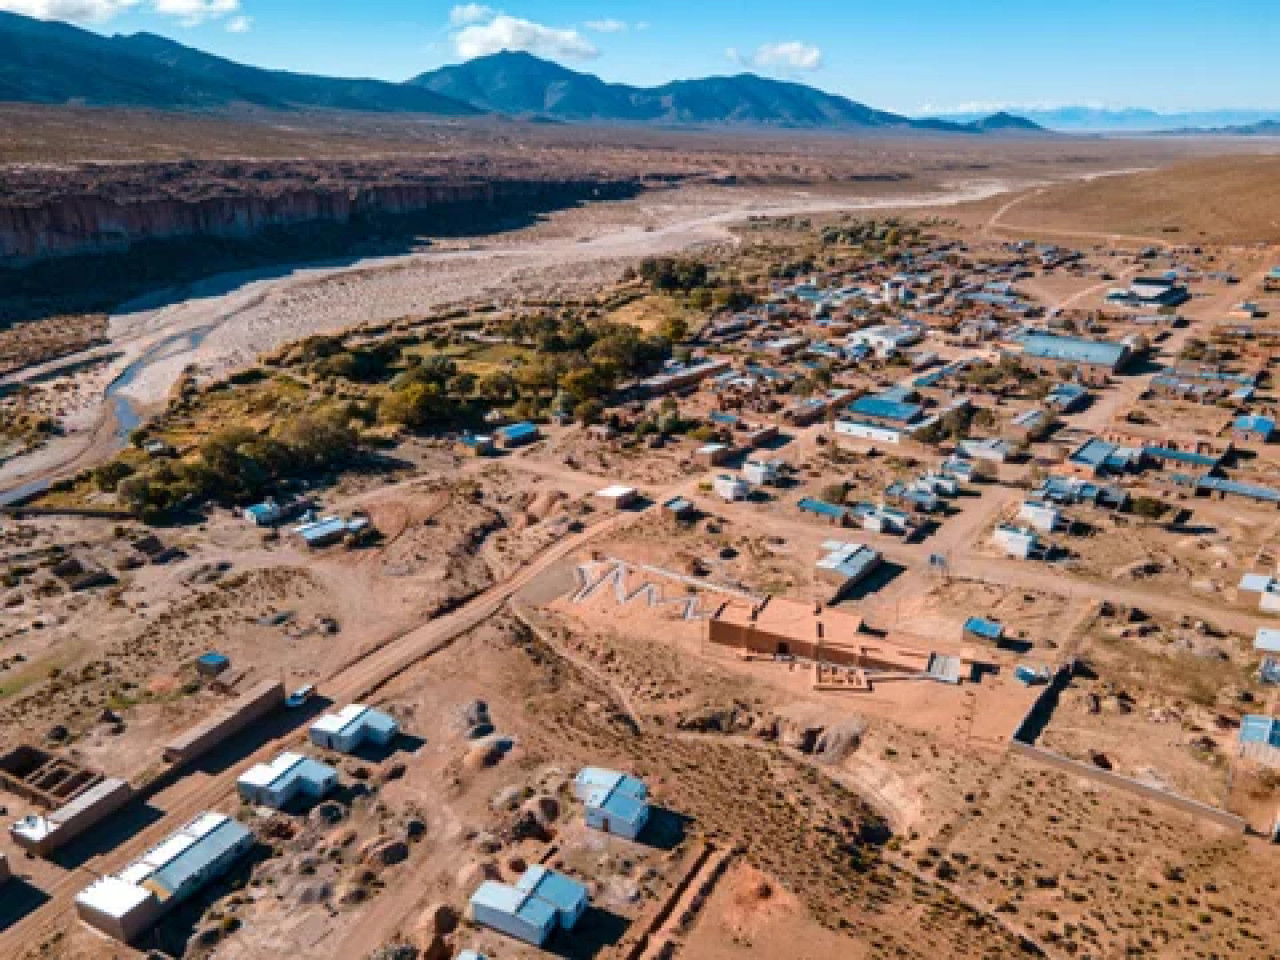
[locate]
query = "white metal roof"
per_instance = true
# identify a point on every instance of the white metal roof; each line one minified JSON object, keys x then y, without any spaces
{"x":615,"y":492}
{"x":1267,"y":640}
{"x":113,"y":896}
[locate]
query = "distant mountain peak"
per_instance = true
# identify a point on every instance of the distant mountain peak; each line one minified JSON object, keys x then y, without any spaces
{"x":524,"y":84}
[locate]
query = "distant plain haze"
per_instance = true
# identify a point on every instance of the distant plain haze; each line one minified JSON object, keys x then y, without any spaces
{"x":926,"y":57}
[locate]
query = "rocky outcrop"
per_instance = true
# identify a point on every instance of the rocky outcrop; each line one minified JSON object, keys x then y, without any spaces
{"x":83,"y":239}
{"x":97,"y":210}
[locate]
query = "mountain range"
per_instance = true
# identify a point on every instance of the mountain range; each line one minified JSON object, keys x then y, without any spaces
{"x":525,"y":85}
{"x":1085,"y":119}
{"x":50,"y":62}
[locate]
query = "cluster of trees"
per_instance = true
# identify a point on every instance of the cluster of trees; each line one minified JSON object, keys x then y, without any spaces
{"x":954,"y":424}
{"x":674,"y":274}
{"x":235,"y":464}
{"x":878,"y":234}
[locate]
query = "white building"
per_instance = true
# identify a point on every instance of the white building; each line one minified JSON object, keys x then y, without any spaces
{"x":760,"y":473}
{"x":124,"y":904}
{"x":352,"y":726}
{"x":886,"y":340}
{"x":730,"y":488}
{"x":289,"y":776}
{"x":1039,"y":516}
{"x":614,"y":802}
{"x":617,"y":497}
{"x":860,"y":430}
{"x":1267,"y":588}
{"x":1015,"y":542}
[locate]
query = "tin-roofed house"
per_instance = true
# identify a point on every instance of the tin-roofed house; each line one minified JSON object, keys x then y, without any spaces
{"x":1254,"y":428}
{"x":1094,"y":362}
{"x":567,"y":896}
{"x":614,"y":802}
{"x":517,"y":435}
{"x":1259,"y":740}
{"x":352,"y":727}
{"x":1267,"y":643}
{"x":125,"y":904}
{"x":289,"y":776}
{"x":514,"y":912}
{"x":983,"y":630}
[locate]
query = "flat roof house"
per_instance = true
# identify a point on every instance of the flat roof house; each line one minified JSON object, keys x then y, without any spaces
{"x":124,"y":904}
{"x":289,"y":776}
{"x":614,"y":802}
{"x":847,"y":564}
{"x":1016,"y":542}
{"x":730,"y":488}
{"x":1039,"y":516}
{"x":42,"y":835}
{"x":352,"y":726}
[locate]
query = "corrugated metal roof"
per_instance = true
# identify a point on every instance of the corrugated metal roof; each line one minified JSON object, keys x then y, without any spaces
{"x":1259,"y":729}
{"x":982,"y":627}
{"x":175,"y":876}
{"x":883,"y":408}
{"x":1267,"y":640}
{"x":563,"y":893}
{"x":1254,"y":492}
{"x":1074,"y":349}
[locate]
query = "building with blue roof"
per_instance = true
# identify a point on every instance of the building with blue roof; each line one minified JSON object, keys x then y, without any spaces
{"x":1094,"y":361}
{"x":125,"y":904}
{"x":1259,"y":739}
{"x":980,"y":628}
{"x":517,"y":434}
{"x":1223,"y":488}
{"x":885,"y":409}
{"x":352,"y":727}
{"x":847,"y":564}
{"x":1168,"y":458}
{"x":567,"y":896}
{"x":514,"y":912}
{"x":1254,"y":427}
{"x":614,"y":802}
{"x":289,"y":776}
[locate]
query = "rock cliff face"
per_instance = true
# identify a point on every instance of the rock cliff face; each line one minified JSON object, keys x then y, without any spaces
{"x":86,"y":238}
{"x":63,"y":215}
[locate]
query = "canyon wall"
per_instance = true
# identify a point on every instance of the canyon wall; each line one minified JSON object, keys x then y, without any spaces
{"x":87,"y":237}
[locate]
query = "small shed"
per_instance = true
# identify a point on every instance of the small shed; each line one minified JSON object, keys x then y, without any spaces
{"x":476,"y":444}
{"x":730,"y":488}
{"x":712,"y":454}
{"x":518,"y":435}
{"x":982,"y":630}
{"x":1016,"y":542}
{"x":761,"y":473}
{"x":265,"y":514}
{"x":1039,"y":516}
{"x":212,"y":664}
{"x":618,"y":497}
{"x":679,"y":508}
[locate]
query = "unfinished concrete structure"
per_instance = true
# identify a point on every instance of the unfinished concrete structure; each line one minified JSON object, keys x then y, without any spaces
{"x":45,"y":779}
{"x":42,"y":835}
{"x":226,"y":723}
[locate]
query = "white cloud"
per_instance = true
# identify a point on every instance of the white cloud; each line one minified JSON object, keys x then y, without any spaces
{"x":76,"y":11}
{"x":240,"y":24}
{"x":192,"y":13}
{"x":512,"y":33}
{"x":466,"y":13}
{"x":789,"y":57}
{"x":189,"y":13}
{"x":608,"y":25}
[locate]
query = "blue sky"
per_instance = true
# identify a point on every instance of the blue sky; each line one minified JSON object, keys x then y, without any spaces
{"x":919,"y":56}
